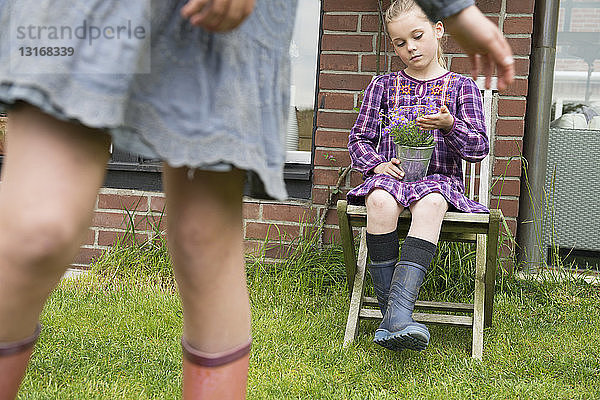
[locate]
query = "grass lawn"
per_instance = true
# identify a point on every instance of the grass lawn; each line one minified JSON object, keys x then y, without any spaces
{"x":115,"y":335}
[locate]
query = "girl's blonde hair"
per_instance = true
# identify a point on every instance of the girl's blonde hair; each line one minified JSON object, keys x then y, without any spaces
{"x":400,"y":7}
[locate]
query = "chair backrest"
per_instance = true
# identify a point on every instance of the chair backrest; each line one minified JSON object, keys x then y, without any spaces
{"x":470,"y":169}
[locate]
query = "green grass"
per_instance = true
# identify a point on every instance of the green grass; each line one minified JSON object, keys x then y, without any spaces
{"x":115,"y":335}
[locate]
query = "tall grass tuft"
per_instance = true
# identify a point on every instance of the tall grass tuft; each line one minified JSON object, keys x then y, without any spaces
{"x":309,"y":266}
{"x":127,"y":259}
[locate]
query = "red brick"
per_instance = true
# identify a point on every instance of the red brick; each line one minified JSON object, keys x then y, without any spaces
{"x":319,"y":195}
{"x":157,"y":204}
{"x":279,"y":251}
{"x":340,"y":22}
{"x":509,"y":207}
{"x":109,"y":238}
{"x":517,"y":88}
{"x":252,"y":247}
{"x":339,"y":62}
{"x":289,"y":213}
{"x":90,"y":238}
{"x":110,"y":220}
{"x":511,"y":107}
{"x":349,"y":5}
{"x":507,"y":148}
{"x":331,"y":235}
{"x":507,"y":167}
{"x":325,"y":176}
{"x":506,"y":251}
{"x":335,"y":120}
{"x":356,"y":178}
{"x":397,"y":64}
{"x":336,"y":101}
{"x":521,"y":66}
{"x":368,"y":63}
{"x":344,"y":81}
{"x":331,"y":139}
{"x":520,"y":46}
{"x":451,"y":46}
{"x":512,"y":226}
{"x":510,"y":127}
{"x":151,"y":222}
{"x":122,"y":202}
{"x":324,"y":158}
{"x":332,"y":217}
{"x":360,"y":43}
{"x":519,"y":6}
{"x":251,"y":210}
{"x":258,"y":230}
{"x":461,"y":65}
{"x":506,"y":187}
{"x":369,"y":23}
{"x":518,"y":25}
{"x":87,"y":256}
{"x":489,"y":6}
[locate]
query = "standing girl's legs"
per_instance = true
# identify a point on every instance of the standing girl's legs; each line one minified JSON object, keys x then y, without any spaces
{"x":382,"y":241}
{"x":51,"y":175}
{"x":204,"y":224}
{"x":398,"y":330}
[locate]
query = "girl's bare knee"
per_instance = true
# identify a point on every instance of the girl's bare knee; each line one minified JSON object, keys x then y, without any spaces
{"x":432,"y":203}
{"x":381,"y":202}
{"x":41,"y":244}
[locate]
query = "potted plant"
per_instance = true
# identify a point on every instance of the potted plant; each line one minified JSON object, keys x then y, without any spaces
{"x":414,"y":146}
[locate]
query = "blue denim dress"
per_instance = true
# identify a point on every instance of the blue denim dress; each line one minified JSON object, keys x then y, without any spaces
{"x":161,"y":87}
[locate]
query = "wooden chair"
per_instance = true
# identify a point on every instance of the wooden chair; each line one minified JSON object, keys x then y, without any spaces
{"x":482,"y":229}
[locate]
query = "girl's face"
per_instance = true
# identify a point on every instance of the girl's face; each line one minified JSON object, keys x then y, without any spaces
{"x":415,"y":40}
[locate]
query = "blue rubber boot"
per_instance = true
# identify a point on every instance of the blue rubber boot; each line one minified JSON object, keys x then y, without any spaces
{"x":398,"y":330}
{"x":381,"y":275}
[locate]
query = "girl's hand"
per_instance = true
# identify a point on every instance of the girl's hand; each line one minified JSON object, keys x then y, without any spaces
{"x":217,"y":15}
{"x":391,"y":168}
{"x":442,"y":120}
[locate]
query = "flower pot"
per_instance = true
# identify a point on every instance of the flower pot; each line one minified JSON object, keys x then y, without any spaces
{"x":414,"y":161}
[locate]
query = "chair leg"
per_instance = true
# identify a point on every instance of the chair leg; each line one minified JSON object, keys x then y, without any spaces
{"x":491,"y":264}
{"x":347,"y":238}
{"x":356,"y":298}
{"x":479,"y":300}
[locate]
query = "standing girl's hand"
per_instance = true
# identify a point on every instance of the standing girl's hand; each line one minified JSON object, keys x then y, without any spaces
{"x":442,"y":120}
{"x":391,"y":168}
{"x":217,"y":15}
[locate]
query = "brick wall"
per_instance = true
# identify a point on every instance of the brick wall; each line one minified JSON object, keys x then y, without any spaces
{"x":117,"y":211}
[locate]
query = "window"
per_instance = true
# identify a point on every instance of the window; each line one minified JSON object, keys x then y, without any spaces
{"x":576,"y":93}
{"x":304,"y":51}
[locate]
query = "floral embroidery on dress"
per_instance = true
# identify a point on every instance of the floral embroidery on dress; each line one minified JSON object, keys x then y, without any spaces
{"x":436,"y":90}
{"x":404,"y":88}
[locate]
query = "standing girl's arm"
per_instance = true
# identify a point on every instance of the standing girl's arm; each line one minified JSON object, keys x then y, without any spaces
{"x":365,"y":134}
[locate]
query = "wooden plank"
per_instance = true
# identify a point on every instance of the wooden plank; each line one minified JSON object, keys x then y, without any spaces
{"x":357,"y":291}
{"x":463,"y":321}
{"x":479,"y":300}
{"x":442,"y":319}
{"x":347,"y":239}
{"x":356,"y":212}
{"x":447,"y":226}
{"x":429,"y":305}
{"x":491,"y":264}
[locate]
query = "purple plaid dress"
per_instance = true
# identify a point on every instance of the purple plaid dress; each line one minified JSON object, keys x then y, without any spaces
{"x":466,"y":140}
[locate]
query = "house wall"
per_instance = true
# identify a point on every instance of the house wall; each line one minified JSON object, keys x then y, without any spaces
{"x":348,"y":61}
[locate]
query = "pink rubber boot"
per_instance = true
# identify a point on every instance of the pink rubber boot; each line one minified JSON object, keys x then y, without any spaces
{"x":215,"y":376}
